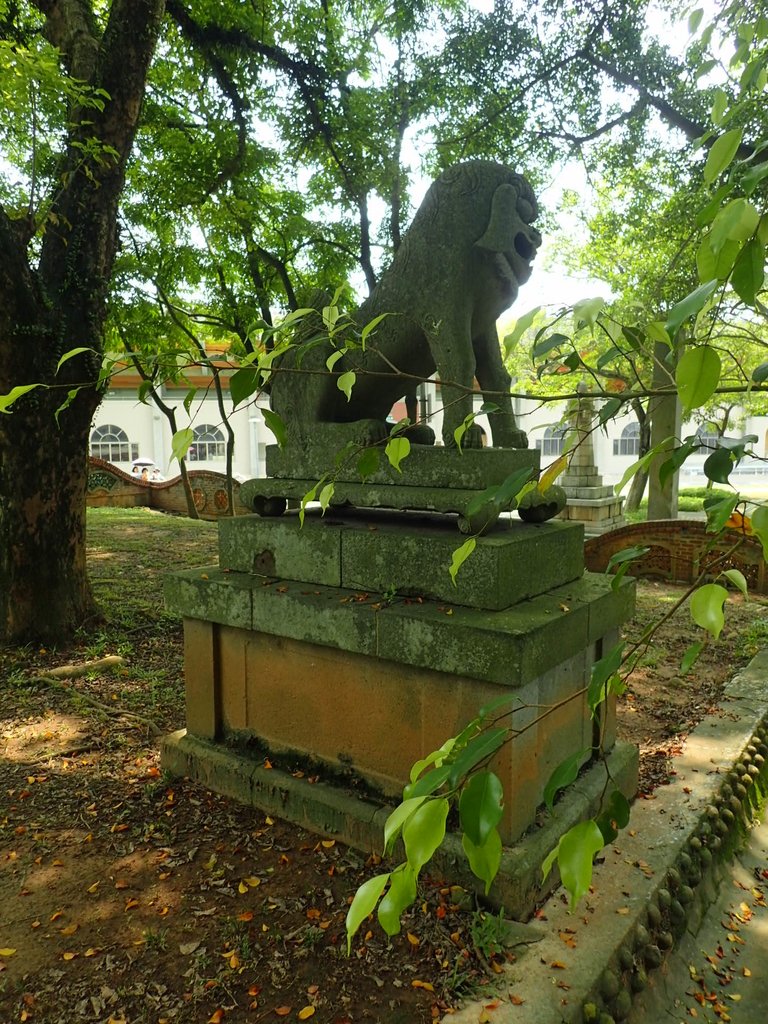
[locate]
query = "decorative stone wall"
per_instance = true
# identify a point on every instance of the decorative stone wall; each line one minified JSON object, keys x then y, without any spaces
{"x":679,"y":550}
{"x":110,"y":486}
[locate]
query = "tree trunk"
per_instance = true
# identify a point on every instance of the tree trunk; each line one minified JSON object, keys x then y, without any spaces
{"x":53,"y":300}
{"x":44,"y":589}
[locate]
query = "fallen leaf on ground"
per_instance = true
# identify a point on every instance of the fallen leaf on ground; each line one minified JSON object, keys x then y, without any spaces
{"x":306,"y":1013}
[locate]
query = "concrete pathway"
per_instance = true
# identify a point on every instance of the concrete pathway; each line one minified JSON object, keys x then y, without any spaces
{"x":720,"y":974}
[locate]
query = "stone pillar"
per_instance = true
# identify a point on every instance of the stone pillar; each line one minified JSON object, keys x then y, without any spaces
{"x":589,"y":500}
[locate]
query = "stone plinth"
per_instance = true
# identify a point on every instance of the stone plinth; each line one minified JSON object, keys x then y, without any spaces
{"x":373,"y":551}
{"x":317,"y":666}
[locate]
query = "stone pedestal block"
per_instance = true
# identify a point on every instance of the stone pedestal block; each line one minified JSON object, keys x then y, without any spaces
{"x":363,"y":687}
{"x":384,"y":551}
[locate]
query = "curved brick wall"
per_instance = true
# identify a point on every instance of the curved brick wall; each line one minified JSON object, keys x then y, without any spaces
{"x":679,"y":550}
{"x":108,"y":485}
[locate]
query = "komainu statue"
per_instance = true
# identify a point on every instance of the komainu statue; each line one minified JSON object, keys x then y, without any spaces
{"x":459,"y":266}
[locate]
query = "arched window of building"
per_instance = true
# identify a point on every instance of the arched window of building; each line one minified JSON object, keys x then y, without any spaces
{"x":707,"y":436}
{"x":208,"y":444}
{"x":629,"y":442}
{"x":552,"y":442}
{"x":111,"y":443}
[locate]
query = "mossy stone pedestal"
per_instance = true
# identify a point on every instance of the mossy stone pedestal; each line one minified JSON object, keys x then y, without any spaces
{"x":343,"y":649}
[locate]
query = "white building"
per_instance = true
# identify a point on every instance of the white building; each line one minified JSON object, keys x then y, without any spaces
{"x":125,"y":429}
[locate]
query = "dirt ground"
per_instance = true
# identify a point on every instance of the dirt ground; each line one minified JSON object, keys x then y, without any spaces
{"x":130,"y":897}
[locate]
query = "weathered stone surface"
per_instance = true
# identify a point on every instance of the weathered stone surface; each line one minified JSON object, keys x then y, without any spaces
{"x":282,"y":549}
{"x":410,"y":554}
{"x":508,"y":647}
{"x":458,"y":268}
{"x":470,"y":470}
{"x":329,"y":810}
{"x":345,"y":711}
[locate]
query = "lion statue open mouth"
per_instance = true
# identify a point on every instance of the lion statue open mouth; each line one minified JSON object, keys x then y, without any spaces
{"x":460,"y":265}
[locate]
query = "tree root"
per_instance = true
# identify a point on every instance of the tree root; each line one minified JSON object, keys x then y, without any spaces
{"x":51,"y":679}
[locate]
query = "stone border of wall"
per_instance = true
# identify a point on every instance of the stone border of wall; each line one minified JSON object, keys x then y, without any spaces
{"x":655,"y":881}
{"x":112,"y":487}
{"x":680,"y":549}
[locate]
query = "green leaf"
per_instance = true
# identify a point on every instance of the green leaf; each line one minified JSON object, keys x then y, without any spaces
{"x":325,"y":497}
{"x":333,"y":358}
{"x":707,"y":608}
{"x":480,"y":500}
{"x":711,"y":264}
{"x":694,"y":20}
{"x":242,"y":384}
{"x":689,"y":306}
{"x":368,"y":462}
{"x":510,"y":486}
{"x":460,"y":431}
{"x":721,"y":154}
{"x":481,"y":806}
{"x":697,"y":375}
{"x":371,"y":326}
{"x":749,"y":272}
{"x":6,"y":401}
{"x":71,"y":396}
{"x":346,"y":382}
{"x":759,"y":520}
{"x":626,"y":555}
{"x":609,"y":410}
{"x":547,"y":344}
{"x":181,"y":441}
{"x":189,"y":398}
{"x":690,"y":657}
{"x":614,"y":816}
{"x":642,"y":463}
{"x":718,"y":511}
{"x":460,"y":555}
{"x":71,"y":354}
{"x":428,"y":783}
{"x":309,"y":496}
{"x":330,"y":316}
{"x":565,"y":773}
{"x":574,"y":854}
{"x":760,"y":373}
{"x":398,"y":818}
{"x":602,"y":671}
{"x":586,"y":311}
{"x":366,"y":898}
{"x":424,"y":831}
{"x":397,"y":449}
{"x":276,"y":425}
{"x":737,"y":220}
{"x":522,"y":324}
{"x":436,"y":757}
{"x":737,"y":579}
{"x":401,"y":893}
{"x":753,"y":177}
{"x":719,"y":104}
{"x":484,"y":860}
{"x":479,"y":749}
{"x":718,"y":466}
{"x":679,"y":455}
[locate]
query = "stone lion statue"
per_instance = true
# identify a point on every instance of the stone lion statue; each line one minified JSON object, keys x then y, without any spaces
{"x":459,"y":266}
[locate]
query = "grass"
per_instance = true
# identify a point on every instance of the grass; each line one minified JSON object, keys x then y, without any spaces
{"x":689,"y":499}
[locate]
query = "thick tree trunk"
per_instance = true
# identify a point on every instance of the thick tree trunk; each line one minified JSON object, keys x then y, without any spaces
{"x":44,"y":590}
{"x":53,"y":300}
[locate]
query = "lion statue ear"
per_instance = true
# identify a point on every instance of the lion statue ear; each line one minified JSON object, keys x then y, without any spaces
{"x":503,"y":216}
